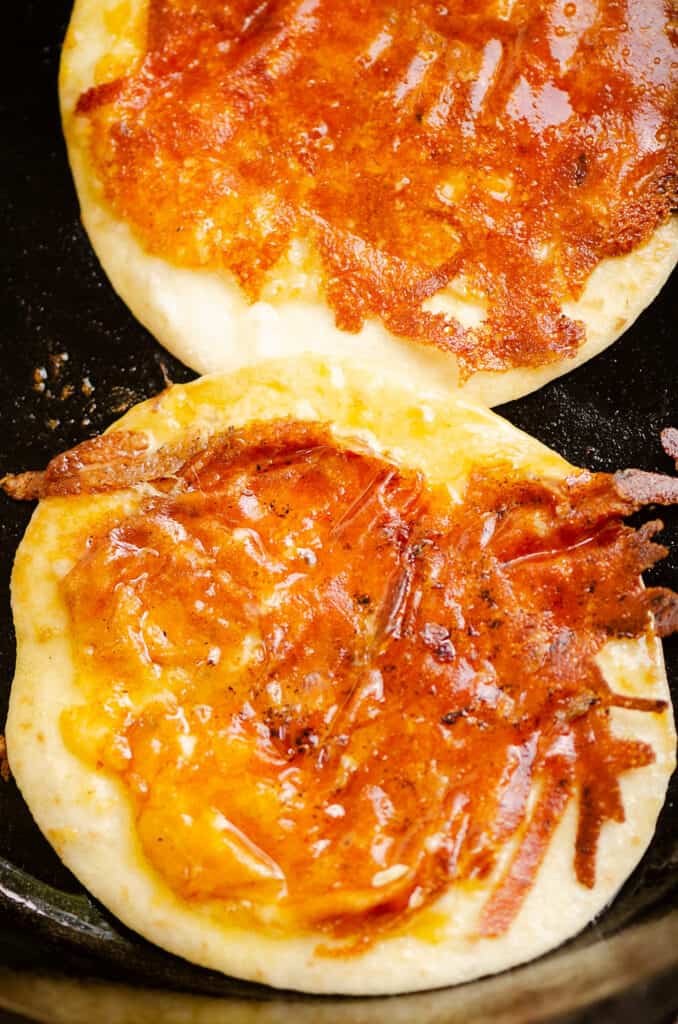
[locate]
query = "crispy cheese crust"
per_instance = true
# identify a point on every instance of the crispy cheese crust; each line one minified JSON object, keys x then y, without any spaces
{"x":490,"y":199}
{"x":82,"y":800}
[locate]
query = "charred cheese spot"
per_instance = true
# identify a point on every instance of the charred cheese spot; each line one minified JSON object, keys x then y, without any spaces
{"x":397,"y":158}
{"x":332,"y":693}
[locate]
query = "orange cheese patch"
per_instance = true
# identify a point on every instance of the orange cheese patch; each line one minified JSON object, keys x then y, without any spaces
{"x":327,"y":687}
{"x":505,"y":148}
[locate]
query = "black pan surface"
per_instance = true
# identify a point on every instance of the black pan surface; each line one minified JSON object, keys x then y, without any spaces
{"x":72,"y":359}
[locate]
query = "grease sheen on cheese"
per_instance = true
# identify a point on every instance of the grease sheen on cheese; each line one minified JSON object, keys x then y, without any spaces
{"x":92,"y":819}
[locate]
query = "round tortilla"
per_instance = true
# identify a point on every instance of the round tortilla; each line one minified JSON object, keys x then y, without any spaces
{"x":201,"y":315}
{"x":87,"y":815}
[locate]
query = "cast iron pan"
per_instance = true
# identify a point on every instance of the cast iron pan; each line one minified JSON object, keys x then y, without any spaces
{"x":72,"y":359}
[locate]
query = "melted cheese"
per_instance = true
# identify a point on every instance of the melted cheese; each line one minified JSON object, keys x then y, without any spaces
{"x":202,"y":315}
{"x":86,"y":812}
